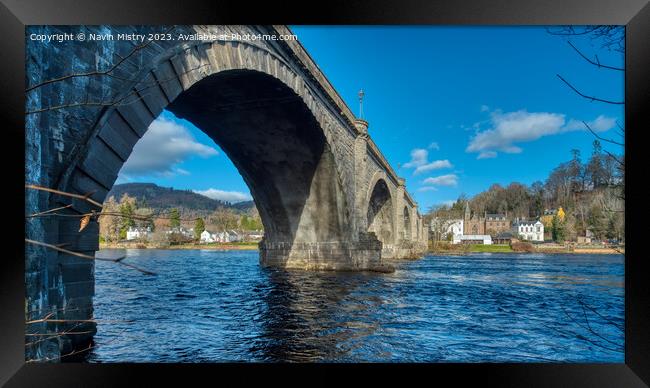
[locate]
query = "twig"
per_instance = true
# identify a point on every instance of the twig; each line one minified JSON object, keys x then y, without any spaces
{"x":592,"y":62}
{"x":113,"y":214}
{"x":39,"y":214}
{"x":588,"y":328}
{"x":97,"y":73}
{"x":84,"y":256}
{"x":76,"y":320}
{"x":119,"y":102}
{"x":597,"y":313}
{"x":601,"y":138}
{"x":85,"y":197}
{"x":589,"y":97}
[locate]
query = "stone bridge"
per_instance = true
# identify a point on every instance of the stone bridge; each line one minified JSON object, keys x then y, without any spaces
{"x":327,"y":197}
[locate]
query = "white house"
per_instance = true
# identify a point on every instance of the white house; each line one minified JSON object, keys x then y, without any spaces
{"x":529,"y":230}
{"x":453,"y":227}
{"x":182,"y":231}
{"x":254,"y":236}
{"x":234,"y":236}
{"x":207,"y":237}
{"x":484,"y":239}
{"x":137,"y":233}
{"x":221,"y":237}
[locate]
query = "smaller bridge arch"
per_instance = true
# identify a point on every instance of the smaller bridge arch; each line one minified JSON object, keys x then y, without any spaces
{"x":407,"y":223}
{"x":380,"y":212}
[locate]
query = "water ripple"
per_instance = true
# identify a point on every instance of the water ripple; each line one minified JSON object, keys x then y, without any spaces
{"x":214,"y":306}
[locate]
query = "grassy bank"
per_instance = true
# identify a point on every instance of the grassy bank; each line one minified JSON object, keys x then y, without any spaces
{"x":491,"y":248}
{"x":445,"y":248}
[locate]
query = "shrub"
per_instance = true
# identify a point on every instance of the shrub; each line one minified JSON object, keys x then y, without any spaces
{"x":522,"y":246}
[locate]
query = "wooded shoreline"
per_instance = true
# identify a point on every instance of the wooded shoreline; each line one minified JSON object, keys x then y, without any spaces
{"x":212,"y":246}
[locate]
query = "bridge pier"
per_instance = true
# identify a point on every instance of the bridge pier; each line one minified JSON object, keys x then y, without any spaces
{"x":363,"y":255}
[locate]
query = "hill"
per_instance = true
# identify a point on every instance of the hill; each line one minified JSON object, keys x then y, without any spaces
{"x":156,"y":197}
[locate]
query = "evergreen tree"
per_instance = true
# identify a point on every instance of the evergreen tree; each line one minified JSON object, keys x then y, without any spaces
{"x":127,"y":209}
{"x":175,"y":218}
{"x":595,"y":168}
{"x":199,"y":227}
{"x":557,"y":229}
{"x":597,"y":222}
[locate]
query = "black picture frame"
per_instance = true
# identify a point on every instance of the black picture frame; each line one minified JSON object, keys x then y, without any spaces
{"x":635,"y":14}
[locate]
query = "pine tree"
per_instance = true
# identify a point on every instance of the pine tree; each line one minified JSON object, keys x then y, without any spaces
{"x":199,"y":227}
{"x":557,"y":229}
{"x":175,"y":218}
{"x":127,"y":209}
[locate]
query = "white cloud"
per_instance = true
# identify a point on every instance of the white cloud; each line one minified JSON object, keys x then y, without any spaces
{"x":486,"y":155}
{"x":507,"y":129}
{"x":435,"y":165}
{"x":164,"y":145}
{"x":420,"y":161}
{"x":485,"y":108}
{"x":427,"y":188}
{"x":418,"y":158}
{"x":182,"y":171}
{"x":222,"y":195}
{"x":434,"y":146}
{"x":442,"y":180}
{"x":600,"y":124}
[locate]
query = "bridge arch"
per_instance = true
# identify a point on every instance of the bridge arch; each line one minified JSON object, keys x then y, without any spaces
{"x":407,"y":223}
{"x":266,"y":119}
{"x":380,"y":212}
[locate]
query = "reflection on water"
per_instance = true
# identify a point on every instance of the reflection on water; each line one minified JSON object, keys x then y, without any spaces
{"x":213,"y":306}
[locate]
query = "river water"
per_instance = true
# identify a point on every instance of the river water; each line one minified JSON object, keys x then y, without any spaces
{"x":220,"y":306}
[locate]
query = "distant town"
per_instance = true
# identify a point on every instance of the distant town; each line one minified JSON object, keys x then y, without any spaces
{"x":579,"y":208}
{"x":144,"y":215}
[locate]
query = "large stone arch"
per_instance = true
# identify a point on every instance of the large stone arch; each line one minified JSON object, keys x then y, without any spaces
{"x":266,"y":119}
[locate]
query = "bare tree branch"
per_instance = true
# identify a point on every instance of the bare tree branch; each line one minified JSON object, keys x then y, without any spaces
{"x":589,"y":97}
{"x":85,"y":197}
{"x":119,"y":102}
{"x":97,"y":73}
{"x":84,"y":256}
{"x":597,"y":63}
{"x":602,"y":138}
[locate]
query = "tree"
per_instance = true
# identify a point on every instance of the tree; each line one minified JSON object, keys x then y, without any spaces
{"x":127,"y":210}
{"x":595,"y":169}
{"x":576,"y":172}
{"x":224,"y":219}
{"x":145,"y":218}
{"x":557,"y":229}
{"x":199,"y":227}
{"x":110,"y":225}
{"x":175,"y":218}
{"x":537,"y":199}
{"x":597,"y":222}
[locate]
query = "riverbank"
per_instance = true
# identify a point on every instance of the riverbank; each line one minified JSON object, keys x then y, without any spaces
{"x":461,"y":249}
{"x":247,"y":246}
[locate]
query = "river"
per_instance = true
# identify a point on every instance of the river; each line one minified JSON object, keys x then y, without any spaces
{"x":221,"y":306}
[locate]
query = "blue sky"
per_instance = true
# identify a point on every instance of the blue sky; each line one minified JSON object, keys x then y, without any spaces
{"x":453,"y":109}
